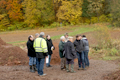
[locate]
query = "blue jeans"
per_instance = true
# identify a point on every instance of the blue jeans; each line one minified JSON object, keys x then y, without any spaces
{"x":40,"y":65}
{"x":32,"y":61}
{"x":86,"y":58}
{"x":48,"y":64}
{"x":81,"y":59}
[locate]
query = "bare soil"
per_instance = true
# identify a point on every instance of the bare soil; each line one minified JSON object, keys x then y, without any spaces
{"x":14,"y":61}
{"x":96,"y":71}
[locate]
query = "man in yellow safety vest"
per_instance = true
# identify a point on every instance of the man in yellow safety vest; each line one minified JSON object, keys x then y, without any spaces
{"x":41,"y":50}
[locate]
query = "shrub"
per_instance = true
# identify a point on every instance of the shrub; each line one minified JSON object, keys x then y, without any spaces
{"x":55,"y":24}
{"x":94,"y":20}
{"x":103,"y":36}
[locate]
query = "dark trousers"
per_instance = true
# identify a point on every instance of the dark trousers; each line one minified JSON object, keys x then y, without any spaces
{"x":86,"y":58}
{"x":69,"y":61}
{"x":40,"y":65}
{"x":81,"y":59}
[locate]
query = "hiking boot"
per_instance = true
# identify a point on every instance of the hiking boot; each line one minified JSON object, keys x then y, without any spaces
{"x":84,"y":69}
{"x":34,"y":67}
{"x":50,"y":66}
{"x":79,"y":68}
{"x":67,"y":68}
{"x":31,"y":69}
{"x":72,"y":68}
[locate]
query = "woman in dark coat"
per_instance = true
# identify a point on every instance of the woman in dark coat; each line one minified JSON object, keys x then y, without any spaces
{"x":31,"y":54}
{"x":50,"y":49}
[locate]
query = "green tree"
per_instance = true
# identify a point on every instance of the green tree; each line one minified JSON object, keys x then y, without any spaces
{"x":31,"y":13}
{"x":46,"y":9}
{"x":115,"y":11}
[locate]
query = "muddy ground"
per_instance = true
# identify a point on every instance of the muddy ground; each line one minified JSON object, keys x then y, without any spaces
{"x":16,"y":67}
{"x":96,"y":71}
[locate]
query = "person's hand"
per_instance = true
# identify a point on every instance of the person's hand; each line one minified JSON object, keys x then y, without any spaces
{"x":46,"y":56}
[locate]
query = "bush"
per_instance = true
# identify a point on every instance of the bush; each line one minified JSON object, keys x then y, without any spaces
{"x":103,"y":36}
{"x":94,"y":20}
{"x":55,"y":24}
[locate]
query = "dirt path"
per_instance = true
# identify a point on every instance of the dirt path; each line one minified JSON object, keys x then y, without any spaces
{"x":98,"y":68}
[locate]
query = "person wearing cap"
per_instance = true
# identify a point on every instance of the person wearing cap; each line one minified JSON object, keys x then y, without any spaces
{"x":41,"y":50}
{"x":66,"y":37}
{"x":31,"y":53}
{"x":70,"y":54}
{"x":79,"y":47}
{"x":50,"y":49}
{"x":86,"y":50}
{"x":61,"y":51}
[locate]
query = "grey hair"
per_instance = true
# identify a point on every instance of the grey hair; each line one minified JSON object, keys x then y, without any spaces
{"x":37,"y":34}
{"x":62,"y":37}
{"x":42,"y":34}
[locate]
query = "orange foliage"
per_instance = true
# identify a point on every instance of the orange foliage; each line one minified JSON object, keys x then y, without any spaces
{"x":14,"y":10}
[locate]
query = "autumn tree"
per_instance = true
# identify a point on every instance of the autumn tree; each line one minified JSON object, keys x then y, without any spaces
{"x":115,"y":11}
{"x":70,"y":11}
{"x":14,"y":10}
{"x":30,"y":17}
{"x":46,"y":9}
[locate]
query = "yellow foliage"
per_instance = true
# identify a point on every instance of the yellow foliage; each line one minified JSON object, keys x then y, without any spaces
{"x":94,"y":20}
{"x":70,"y":11}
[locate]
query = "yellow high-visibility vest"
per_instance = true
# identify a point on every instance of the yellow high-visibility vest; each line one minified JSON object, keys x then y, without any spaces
{"x":40,"y":45}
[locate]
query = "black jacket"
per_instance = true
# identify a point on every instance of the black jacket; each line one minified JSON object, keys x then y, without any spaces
{"x":31,"y":51}
{"x":49,"y":45}
{"x":70,"y":52}
{"x":79,"y":46}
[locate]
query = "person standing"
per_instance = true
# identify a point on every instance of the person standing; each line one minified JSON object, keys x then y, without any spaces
{"x":36,"y":36}
{"x":66,"y":37}
{"x":61,"y":50}
{"x":79,"y":47}
{"x":41,"y":50}
{"x":50,"y":49}
{"x":70,"y":54}
{"x":86,"y":50}
{"x":31,"y":53}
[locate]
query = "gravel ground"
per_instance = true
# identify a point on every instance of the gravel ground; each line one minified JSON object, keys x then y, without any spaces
{"x":96,"y":71}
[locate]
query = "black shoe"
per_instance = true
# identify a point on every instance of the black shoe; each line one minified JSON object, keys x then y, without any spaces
{"x":62,"y":68}
{"x":34,"y":67}
{"x":50,"y":66}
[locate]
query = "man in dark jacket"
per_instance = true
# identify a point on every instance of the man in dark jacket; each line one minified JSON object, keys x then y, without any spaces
{"x":70,"y":54}
{"x":50,"y":49}
{"x":79,"y":47}
{"x":86,"y":50}
{"x":31,"y":54}
{"x":61,"y":50}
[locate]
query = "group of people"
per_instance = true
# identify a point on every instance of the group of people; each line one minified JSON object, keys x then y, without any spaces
{"x":69,"y":50}
{"x":40,"y":49}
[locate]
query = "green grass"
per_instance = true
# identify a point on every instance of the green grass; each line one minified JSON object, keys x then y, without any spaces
{"x":111,"y":57}
{"x":78,"y":30}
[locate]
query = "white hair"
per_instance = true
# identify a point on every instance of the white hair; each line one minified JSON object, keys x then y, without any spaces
{"x":62,"y":37}
{"x":42,"y":34}
{"x":37,"y":34}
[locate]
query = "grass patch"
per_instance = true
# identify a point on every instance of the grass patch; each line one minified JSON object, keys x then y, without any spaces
{"x":75,"y":31}
{"x":111,"y":57}
{"x":78,"y":30}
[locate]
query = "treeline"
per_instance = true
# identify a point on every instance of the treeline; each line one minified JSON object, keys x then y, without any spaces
{"x":18,"y":14}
